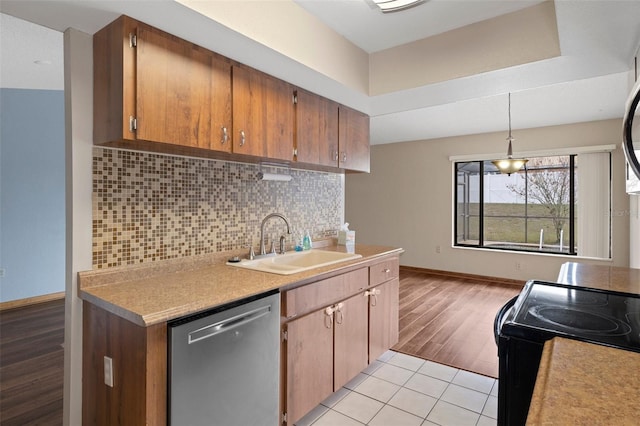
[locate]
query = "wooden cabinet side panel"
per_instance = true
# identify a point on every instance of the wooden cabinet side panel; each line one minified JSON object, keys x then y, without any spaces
{"x":138,"y":354}
{"x":383,"y":319}
{"x":309,"y":364}
{"x":350,"y":340}
{"x":156,"y":374}
{"x":114,"y":81}
{"x":127,"y":349}
{"x":174,"y":85}
{"x":95,"y":395}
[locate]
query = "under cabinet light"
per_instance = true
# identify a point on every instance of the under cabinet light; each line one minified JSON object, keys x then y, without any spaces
{"x":274,"y":176}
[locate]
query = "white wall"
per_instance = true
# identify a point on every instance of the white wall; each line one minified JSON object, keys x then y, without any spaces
{"x":407,"y":200}
{"x":78,"y":77}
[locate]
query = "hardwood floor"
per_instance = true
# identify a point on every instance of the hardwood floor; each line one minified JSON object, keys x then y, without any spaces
{"x":450,"y":320}
{"x":31,"y":364}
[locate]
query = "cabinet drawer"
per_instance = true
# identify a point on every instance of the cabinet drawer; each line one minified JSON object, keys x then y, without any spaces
{"x":317,"y":295}
{"x":384,"y":271}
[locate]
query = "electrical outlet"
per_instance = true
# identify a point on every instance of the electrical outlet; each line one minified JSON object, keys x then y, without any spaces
{"x":2,"y":272}
{"x":108,"y":371}
{"x":437,"y":249}
{"x":518,"y":266}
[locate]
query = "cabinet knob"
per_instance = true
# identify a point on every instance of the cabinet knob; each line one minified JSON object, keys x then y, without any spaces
{"x":242,"y":138}
{"x":386,"y":271}
{"x":225,"y":135}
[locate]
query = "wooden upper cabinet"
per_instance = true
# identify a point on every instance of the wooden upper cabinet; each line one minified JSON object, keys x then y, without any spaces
{"x":154,"y":87}
{"x":154,"y":91}
{"x":316,"y":129}
{"x":353,"y":140}
{"x":263,"y":115}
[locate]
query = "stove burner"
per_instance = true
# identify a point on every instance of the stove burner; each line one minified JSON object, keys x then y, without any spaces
{"x":578,"y":321}
{"x":587,"y":299}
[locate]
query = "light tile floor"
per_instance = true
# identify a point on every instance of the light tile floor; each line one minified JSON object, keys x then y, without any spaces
{"x":399,"y":390}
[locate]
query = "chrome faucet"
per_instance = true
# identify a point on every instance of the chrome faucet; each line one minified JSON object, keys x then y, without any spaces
{"x":263,"y":251}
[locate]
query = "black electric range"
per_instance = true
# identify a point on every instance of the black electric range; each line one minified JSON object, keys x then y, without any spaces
{"x":544,"y":310}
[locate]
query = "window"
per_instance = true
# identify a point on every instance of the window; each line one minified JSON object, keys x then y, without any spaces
{"x":539,"y":209}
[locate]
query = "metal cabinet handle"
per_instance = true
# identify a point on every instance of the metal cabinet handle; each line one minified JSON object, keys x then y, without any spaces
{"x":225,"y":135}
{"x":242,"y":138}
{"x":373,"y":292}
{"x":335,"y":155}
{"x":328,"y":315}
{"x":344,"y":157}
{"x":340,"y":315}
{"x":227,"y":324}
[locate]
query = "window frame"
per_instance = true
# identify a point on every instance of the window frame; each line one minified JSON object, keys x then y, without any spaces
{"x":572,"y":247}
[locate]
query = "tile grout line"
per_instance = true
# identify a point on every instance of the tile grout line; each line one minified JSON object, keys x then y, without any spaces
{"x":486,"y":395}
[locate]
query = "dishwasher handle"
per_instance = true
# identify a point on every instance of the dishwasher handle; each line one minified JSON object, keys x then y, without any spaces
{"x":227,"y":324}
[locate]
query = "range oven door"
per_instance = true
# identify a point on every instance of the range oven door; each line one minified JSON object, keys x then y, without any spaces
{"x":518,"y":361}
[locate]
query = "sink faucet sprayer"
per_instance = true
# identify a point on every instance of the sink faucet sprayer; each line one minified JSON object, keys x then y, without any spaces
{"x":263,"y":251}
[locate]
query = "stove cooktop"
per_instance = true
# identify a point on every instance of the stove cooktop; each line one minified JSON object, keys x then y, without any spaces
{"x":544,"y":310}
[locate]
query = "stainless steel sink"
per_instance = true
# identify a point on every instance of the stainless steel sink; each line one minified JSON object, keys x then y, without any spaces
{"x":294,"y":262}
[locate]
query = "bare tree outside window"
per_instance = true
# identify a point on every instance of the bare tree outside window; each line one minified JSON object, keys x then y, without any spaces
{"x":546,"y":183}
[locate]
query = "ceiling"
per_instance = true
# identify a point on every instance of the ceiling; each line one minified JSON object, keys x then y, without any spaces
{"x":364,"y":25}
{"x":589,"y":81}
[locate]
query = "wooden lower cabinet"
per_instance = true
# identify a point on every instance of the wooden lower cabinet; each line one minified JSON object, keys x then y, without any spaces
{"x":309,"y":353}
{"x":324,"y":350}
{"x":383,"y":318}
{"x":328,"y":343}
{"x":350,"y":340}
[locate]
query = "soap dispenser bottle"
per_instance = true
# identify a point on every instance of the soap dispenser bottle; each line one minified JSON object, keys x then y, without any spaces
{"x":306,"y":241}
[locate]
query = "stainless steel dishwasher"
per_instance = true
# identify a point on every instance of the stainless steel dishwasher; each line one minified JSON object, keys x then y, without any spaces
{"x":224,"y":365}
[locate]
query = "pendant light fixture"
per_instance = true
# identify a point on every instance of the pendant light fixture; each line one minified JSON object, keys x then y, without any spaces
{"x":387,"y":6}
{"x":510,"y":165}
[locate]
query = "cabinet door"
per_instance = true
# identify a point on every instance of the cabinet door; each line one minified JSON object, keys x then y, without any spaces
{"x":353,"y":140}
{"x":350,"y":340}
{"x":309,"y":351}
{"x":175,"y":85}
{"x":316,"y":129}
{"x":383,"y":318}
{"x":221,"y":130}
{"x":263,"y":115}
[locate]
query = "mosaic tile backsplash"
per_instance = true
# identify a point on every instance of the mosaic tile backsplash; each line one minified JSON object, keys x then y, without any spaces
{"x":150,"y":207}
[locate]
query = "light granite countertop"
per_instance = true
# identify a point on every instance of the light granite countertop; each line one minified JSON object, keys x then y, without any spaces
{"x":614,"y":278}
{"x":162,"y":291}
{"x":582,"y":383}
